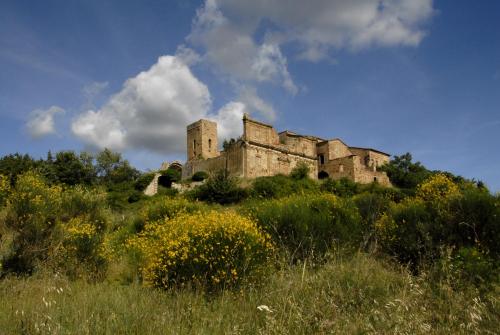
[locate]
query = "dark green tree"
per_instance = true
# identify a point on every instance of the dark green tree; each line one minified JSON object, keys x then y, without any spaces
{"x":403,"y":173}
{"x":15,"y":164}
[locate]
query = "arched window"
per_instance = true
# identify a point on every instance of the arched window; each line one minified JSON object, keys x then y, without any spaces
{"x":209,"y":144}
{"x":321,"y":159}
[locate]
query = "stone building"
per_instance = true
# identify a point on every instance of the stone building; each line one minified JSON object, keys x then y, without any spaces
{"x":261,"y":151}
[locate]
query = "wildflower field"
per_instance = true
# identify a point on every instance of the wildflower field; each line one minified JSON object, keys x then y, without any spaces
{"x":284,"y":255}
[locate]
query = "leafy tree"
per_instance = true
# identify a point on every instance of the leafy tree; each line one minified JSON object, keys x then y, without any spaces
{"x":403,"y":173}
{"x":15,"y":164}
{"x":72,"y":170}
{"x":111,"y":168}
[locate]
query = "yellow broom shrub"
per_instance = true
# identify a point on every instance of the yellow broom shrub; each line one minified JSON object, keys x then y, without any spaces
{"x":207,"y":249}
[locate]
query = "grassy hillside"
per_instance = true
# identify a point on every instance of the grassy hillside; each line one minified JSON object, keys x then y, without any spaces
{"x":284,"y":255}
{"x":354,"y":294}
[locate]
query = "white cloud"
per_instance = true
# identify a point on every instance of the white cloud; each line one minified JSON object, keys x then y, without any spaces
{"x":41,"y":121}
{"x":92,"y":91}
{"x":337,"y":23}
{"x":229,"y":120}
{"x":151,"y":111}
{"x":229,"y":46}
{"x":226,"y":29}
{"x":254,"y":103}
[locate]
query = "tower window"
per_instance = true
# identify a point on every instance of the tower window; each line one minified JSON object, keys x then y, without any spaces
{"x":209,"y":144}
{"x":322,"y":159}
{"x":194,"y":147}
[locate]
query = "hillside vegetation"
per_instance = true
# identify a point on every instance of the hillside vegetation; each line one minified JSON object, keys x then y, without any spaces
{"x":83,"y":251}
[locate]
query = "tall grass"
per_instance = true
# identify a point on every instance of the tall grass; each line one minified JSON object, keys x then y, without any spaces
{"x":348,"y":295}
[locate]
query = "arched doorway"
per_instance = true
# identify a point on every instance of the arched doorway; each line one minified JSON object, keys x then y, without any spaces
{"x":323,"y":175}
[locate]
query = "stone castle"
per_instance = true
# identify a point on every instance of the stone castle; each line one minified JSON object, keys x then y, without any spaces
{"x":261,"y":151}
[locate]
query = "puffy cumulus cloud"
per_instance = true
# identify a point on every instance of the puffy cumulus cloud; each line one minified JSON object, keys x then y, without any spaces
{"x":226,"y":27}
{"x":255,"y":104}
{"x":341,"y":23}
{"x":229,"y":120}
{"x":230,"y":46}
{"x":151,"y":111}
{"x":41,"y":121}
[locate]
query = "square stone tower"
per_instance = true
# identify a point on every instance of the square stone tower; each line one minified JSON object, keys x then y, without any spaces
{"x":202,"y":140}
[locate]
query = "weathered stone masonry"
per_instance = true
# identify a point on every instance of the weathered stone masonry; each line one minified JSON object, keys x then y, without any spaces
{"x":261,"y":151}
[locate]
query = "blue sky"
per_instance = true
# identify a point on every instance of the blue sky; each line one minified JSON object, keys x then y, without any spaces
{"x":417,"y":76}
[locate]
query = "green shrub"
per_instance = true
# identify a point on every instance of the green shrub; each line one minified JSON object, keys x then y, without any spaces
{"x":473,"y":266}
{"x":209,"y":250}
{"x":161,"y":208}
{"x":41,"y":220}
{"x":199,"y":176}
{"x":4,"y":189}
{"x":31,"y":216}
{"x":143,"y":181}
{"x":308,"y":225}
{"x":474,"y":220}
{"x":220,"y":188}
{"x":406,"y":232}
{"x":279,"y":186}
{"x":343,"y":187}
{"x":301,"y":171}
{"x":168,"y":177}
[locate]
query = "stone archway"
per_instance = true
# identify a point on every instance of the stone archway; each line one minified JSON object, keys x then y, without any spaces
{"x":323,"y":175}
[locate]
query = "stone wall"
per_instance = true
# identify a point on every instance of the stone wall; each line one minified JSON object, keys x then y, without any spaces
{"x":267,"y":161}
{"x":202,"y":140}
{"x":337,"y":149}
{"x":298,"y":144}
{"x":258,"y":132}
{"x":231,"y":159}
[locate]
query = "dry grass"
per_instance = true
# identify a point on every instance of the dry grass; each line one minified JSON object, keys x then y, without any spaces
{"x":351,"y":295}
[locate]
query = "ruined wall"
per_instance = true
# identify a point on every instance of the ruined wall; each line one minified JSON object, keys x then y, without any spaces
{"x":341,"y":167}
{"x":254,"y":131}
{"x":202,"y":140}
{"x":298,"y":144}
{"x":263,"y":161}
{"x":232,"y":159}
{"x":337,"y":149}
{"x":370,"y":158}
{"x":365,"y":175}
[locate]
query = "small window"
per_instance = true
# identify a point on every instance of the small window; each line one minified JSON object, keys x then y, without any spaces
{"x":209,"y":144}
{"x":321,"y":159}
{"x":375,"y":179}
{"x":341,"y":168}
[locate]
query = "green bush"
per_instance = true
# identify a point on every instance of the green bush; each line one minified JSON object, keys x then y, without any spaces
{"x":343,"y":187}
{"x":41,"y":221}
{"x":308,"y":225}
{"x":168,"y":177}
{"x":279,"y":186}
{"x":208,"y":250}
{"x":161,"y":208}
{"x":220,"y":188}
{"x":143,"y":181}
{"x":301,"y":171}
{"x":4,"y":189}
{"x":406,"y":232}
{"x":199,"y":176}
